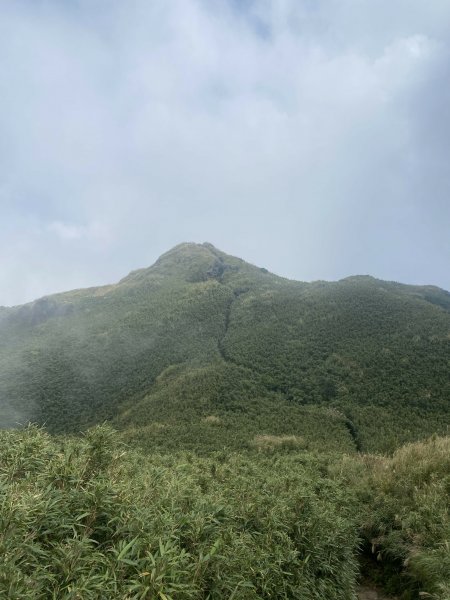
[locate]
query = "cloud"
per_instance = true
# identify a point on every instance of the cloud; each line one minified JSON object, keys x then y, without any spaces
{"x":308,"y":137}
{"x":67,"y":232}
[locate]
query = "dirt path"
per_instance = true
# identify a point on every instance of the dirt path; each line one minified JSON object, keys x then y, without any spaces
{"x":370,"y":593}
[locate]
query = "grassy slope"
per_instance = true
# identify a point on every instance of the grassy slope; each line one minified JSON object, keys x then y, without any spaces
{"x":404,"y":519}
{"x":83,"y":519}
{"x":86,"y":518}
{"x":203,"y":354}
{"x":202,"y":334}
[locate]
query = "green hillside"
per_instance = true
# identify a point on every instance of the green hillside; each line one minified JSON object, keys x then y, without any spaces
{"x":261,"y":446}
{"x":205,"y":350}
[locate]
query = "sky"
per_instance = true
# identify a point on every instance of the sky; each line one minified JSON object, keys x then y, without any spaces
{"x":309,"y":137}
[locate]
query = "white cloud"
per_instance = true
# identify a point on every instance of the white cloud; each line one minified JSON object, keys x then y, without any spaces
{"x":67,"y":232}
{"x":290,"y":133}
{"x":94,"y":232}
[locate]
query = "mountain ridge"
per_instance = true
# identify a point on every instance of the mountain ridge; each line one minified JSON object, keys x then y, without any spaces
{"x":371,"y":350}
{"x":183,"y":246}
{"x":250,"y":415}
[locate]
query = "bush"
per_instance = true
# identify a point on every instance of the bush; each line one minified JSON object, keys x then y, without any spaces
{"x":405,"y":515}
{"x":82,"y":519}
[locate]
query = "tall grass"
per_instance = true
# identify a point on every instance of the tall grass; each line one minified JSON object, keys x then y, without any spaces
{"x":87,"y":518}
{"x":81,"y":519}
{"x":405,"y":521}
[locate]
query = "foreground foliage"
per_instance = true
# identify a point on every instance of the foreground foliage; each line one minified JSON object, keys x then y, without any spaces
{"x":405,"y":516}
{"x":87,"y":518}
{"x":78,"y":520}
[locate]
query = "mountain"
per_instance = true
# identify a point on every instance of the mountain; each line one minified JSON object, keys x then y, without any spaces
{"x":254,"y":412}
{"x":203,"y":350}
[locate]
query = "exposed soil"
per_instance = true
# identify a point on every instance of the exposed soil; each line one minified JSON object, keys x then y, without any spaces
{"x":371,"y":593}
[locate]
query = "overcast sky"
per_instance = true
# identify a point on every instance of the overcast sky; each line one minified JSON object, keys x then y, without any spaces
{"x":310,"y":137}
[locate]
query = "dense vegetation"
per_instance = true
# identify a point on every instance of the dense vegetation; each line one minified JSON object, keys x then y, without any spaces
{"x":263,"y":445}
{"x":405,"y":520}
{"x":224,"y":406}
{"x":88,"y":518}
{"x":80,"y":522}
{"x":227,"y":335}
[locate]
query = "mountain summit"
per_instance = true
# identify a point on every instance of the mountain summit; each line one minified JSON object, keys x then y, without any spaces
{"x":205,"y":339}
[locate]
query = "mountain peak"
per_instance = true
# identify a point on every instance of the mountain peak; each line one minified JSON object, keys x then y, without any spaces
{"x":189,"y":250}
{"x":189,"y":261}
{"x":193,"y":262}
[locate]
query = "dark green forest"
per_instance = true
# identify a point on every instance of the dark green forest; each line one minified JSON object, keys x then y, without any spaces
{"x":205,"y":429}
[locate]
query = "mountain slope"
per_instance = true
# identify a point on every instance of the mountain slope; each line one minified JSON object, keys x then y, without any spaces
{"x":359,"y":363}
